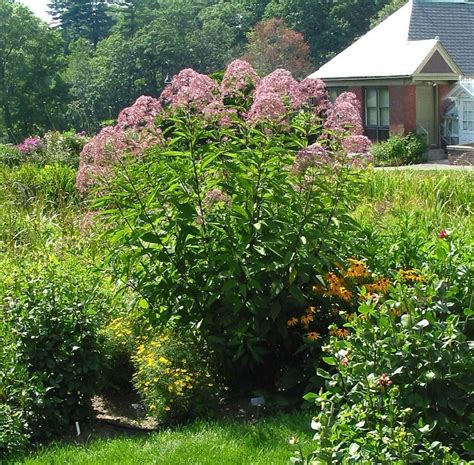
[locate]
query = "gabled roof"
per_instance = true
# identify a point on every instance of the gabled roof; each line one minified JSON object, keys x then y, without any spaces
{"x":464,"y":88}
{"x":387,"y":52}
{"x":453,"y":23}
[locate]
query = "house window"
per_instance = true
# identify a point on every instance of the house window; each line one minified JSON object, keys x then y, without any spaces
{"x":377,"y":113}
{"x":334,"y":92}
{"x":468,"y":116}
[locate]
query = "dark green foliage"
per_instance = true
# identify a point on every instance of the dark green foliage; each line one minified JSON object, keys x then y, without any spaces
{"x":54,"y":310}
{"x":327,"y":26}
{"x":403,"y":383}
{"x":239,"y":275}
{"x":32,"y":92}
{"x":400,"y":150}
{"x":10,"y":155}
{"x":88,"y":19}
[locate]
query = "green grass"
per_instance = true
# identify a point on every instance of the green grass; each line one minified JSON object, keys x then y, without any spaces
{"x":438,"y":199}
{"x":202,"y":443}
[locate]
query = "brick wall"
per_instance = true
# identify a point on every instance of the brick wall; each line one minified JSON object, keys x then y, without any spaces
{"x":402,"y":109}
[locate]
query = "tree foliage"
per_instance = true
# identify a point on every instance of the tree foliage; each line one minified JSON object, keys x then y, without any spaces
{"x":272,"y":45}
{"x":32,"y":93}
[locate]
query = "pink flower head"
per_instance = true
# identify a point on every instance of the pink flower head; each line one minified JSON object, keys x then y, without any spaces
{"x":443,"y":234}
{"x":315,"y":94}
{"x":239,"y":78}
{"x":356,"y":144}
{"x":268,"y":107}
{"x":30,"y":145}
{"x":190,"y":90}
{"x":385,"y":381}
{"x":217,"y":111}
{"x":141,"y":114}
{"x":217,"y":197}
{"x":312,"y":156}
{"x":281,"y":83}
{"x":345,"y":115}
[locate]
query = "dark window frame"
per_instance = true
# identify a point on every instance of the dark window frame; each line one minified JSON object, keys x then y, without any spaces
{"x":338,"y":89}
{"x":377,"y":132}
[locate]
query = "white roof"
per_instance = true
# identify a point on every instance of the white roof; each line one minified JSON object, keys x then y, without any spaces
{"x":383,"y":52}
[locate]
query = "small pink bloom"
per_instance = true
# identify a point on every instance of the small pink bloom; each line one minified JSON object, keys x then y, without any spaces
{"x":443,"y":234}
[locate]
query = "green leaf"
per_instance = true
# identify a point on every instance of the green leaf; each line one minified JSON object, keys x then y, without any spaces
{"x":323,"y":373}
{"x":330,"y":361}
{"x":422,"y":324}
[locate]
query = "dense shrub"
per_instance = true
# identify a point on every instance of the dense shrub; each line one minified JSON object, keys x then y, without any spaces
{"x":399,"y":150}
{"x":54,"y":309}
{"x":9,"y":155}
{"x":28,"y":185}
{"x":174,"y":377}
{"x":401,"y":383}
{"x":55,"y":147}
{"x":226,"y":222}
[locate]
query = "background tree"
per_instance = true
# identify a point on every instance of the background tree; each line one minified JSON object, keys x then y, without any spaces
{"x":89,"y":19}
{"x":32,"y":93}
{"x":386,"y":11}
{"x":327,"y":26}
{"x":272,"y":45}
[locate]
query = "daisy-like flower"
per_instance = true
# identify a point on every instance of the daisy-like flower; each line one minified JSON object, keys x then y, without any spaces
{"x":313,"y":336}
{"x":307,"y":319}
{"x":292,"y":322}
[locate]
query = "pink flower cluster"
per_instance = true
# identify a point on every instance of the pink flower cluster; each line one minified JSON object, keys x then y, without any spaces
{"x":30,"y":145}
{"x":141,"y":114}
{"x":315,"y":94}
{"x":134,"y":133}
{"x":279,"y":92}
{"x":239,"y":79}
{"x":190,"y":90}
{"x":314,"y":155}
{"x":345,"y":115}
{"x":216,"y":197}
{"x":356,"y":144}
{"x":216,"y":111}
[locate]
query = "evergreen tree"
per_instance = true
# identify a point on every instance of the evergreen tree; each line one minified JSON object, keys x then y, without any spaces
{"x":88,"y":19}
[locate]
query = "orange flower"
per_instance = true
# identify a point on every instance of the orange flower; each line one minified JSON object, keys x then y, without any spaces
{"x":411,"y":276}
{"x":312,"y":310}
{"x":345,"y":294}
{"x":313,"y":336}
{"x":341,"y":333}
{"x":357,"y":269}
{"x":307,"y":319}
{"x":292,"y":322}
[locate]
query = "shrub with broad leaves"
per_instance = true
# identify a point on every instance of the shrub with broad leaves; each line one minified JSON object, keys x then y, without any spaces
{"x":222,"y":224}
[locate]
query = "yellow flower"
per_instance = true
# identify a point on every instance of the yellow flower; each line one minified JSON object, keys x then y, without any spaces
{"x":164,"y":360}
{"x":292,"y":321}
{"x":167,"y":408}
{"x":313,"y":336}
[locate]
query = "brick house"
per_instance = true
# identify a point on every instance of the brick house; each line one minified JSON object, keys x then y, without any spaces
{"x":407,"y":70}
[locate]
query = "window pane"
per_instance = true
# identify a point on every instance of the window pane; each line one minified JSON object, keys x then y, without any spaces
{"x":384,"y":98}
{"x":384,"y":117}
{"x":333,"y":94}
{"x":372,"y":116}
{"x":371,"y":98}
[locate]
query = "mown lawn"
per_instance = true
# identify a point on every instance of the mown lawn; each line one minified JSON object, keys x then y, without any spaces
{"x":202,"y":443}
